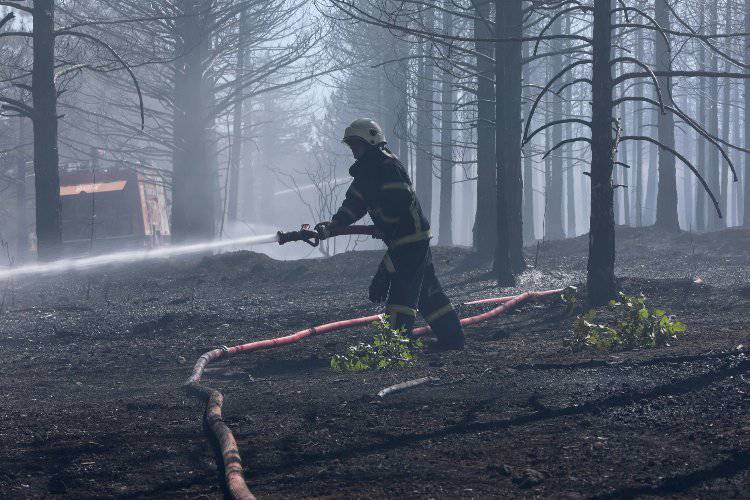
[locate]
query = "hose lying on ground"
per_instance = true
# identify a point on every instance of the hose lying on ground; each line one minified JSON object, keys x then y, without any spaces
{"x":233,"y":473}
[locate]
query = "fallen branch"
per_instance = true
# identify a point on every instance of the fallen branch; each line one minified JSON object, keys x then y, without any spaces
{"x":406,"y":385}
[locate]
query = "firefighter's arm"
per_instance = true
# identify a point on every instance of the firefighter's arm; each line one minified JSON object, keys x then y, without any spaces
{"x":352,"y":209}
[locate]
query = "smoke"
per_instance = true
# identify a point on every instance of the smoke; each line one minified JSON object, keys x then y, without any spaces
{"x":64,"y":265}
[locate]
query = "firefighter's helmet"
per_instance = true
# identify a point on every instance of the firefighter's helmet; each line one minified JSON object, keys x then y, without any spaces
{"x":365,"y":129}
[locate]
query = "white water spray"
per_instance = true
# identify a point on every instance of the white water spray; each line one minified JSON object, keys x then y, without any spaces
{"x":63,"y":265}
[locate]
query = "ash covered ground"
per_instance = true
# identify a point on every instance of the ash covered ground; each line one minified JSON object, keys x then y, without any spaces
{"x":93,"y":363}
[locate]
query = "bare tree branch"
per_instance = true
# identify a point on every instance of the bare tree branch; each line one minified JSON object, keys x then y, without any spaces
{"x":681,"y":158}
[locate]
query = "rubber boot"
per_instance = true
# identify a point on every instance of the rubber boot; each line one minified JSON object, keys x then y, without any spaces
{"x":449,"y":332}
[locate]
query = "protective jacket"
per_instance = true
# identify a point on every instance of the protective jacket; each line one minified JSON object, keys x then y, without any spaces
{"x":406,"y":275}
{"x":382,"y":188}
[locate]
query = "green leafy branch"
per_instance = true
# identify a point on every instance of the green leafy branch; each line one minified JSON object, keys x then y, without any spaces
{"x":387,"y":348}
{"x":637,"y":326}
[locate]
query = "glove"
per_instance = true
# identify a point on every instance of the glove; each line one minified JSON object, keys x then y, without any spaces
{"x":380,"y":285}
{"x":323,"y":229}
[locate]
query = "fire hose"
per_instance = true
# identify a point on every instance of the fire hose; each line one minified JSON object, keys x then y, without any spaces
{"x":310,"y":236}
{"x":213,"y":399}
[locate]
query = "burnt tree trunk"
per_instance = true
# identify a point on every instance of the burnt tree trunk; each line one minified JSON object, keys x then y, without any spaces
{"x":622,"y":174}
{"x":395,"y":96}
{"x":625,"y":173}
{"x":529,"y":233}
{"x":626,"y":180}
{"x":554,"y":212}
{"x":726,"y":113}
{"x":736,"y":129}
{"x":652,"y":174}
{"x":726,"y":110}
{"x":617,"y":177}
{"x":22,"y":230}
{"x":425,"y":99}
{"x":570,"y":197}
{"x":485,"y":220}
{"x":601,"y":264}
{"x":401,"y":102}
{"x":402,"y":126}
{"x":247,"y":177}
{"x":700,"y":163}
{"x":568,"y":156}
{"x":237,"y":136}
{"x":445,"y":235}
{"x":713,"y":163}
{"x":666,"y":197}
{"x":509,"y":258}
{"x":687,"y":198}
{"x":547,"y":159}
{"x":746,"y":172}
{"x":194,"y":195}
{"x":46,"y":159}
{"x":638,"y":146}
{"x":395,"y":73}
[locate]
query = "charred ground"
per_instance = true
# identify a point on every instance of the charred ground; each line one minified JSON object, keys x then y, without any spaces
{"x":92,"y":365}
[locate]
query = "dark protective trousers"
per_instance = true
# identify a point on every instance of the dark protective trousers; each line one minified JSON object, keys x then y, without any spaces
{"x":414,"y":286}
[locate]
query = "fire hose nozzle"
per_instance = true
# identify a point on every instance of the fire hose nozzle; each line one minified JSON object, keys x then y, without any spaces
{"x":304,"y":234}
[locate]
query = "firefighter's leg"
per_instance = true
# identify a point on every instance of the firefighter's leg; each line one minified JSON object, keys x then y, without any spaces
{"x":436,"y":309}
{"x":409,"y":263}
{"x":401,"y":317}
{"x":381,"y":282}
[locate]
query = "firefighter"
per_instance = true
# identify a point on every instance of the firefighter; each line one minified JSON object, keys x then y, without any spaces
{"x":405,"y":279}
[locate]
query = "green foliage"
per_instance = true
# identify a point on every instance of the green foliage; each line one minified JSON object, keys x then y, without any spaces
{"x":637,"y":326}
{"x":387,"y":348}
{"x":568,"y":296}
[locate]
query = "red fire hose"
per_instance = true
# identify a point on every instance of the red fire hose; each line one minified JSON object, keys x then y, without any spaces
{"x":506,"y":303}
{"x":213,"y":419}
{"x":494,"y":300}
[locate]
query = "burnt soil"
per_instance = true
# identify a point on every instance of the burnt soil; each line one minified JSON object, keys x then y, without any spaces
{"x":92,"y":365}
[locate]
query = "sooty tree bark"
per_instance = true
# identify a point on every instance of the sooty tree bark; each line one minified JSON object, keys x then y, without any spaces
{"x":554,"y":213}
{"x":194,"y":200}
{"x":509,"y":258}
{"x":237,"y":119}
{"x":700,"y":193}
{"x":425,"y":99}
{"x":22,"y":230}
{"x":714,"y":157}
{"x":746,"y":192}
{"x":569,"y":164}
{"x":601,"y":277}
{"x":445,"y":236}
{"x":46,"y":158}
{"x":529,"y":233}
{"x":485,"y":220}
{"x":638,"y":145}
{"x":666,"y":197}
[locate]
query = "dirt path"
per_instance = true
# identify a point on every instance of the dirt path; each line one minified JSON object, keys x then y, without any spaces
{"x":92,"y":406}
